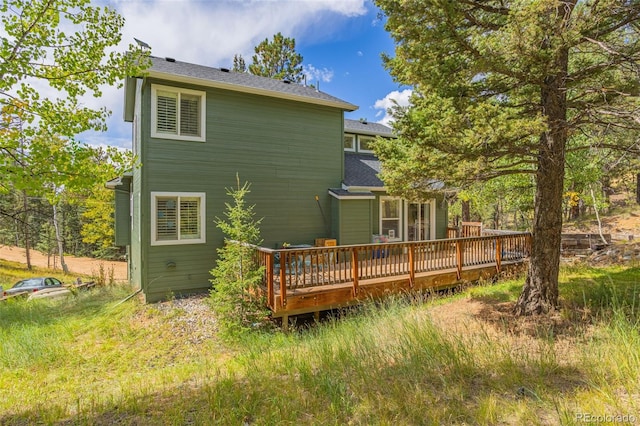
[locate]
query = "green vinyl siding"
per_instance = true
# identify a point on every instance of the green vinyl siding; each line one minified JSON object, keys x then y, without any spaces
{"x":290,"y":152}
{"x":122,"y":220}
{"x":375,"y":213}
{"x":355,"y":221}
{"x":442,"y":218}
{"x":336,"y":231}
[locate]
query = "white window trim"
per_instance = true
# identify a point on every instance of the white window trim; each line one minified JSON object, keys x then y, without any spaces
{"x":368,"y":151}
{"x":177,"y":90}
{"x":400,"y":217}
{"x":154,"y":217}
{"x":354,"y":142}
{"x":432,"y":218}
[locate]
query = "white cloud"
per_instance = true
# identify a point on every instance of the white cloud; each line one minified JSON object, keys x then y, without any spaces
{"x":211,"y":32}
{"x":393,"y":98}
{"x":315,"y":74}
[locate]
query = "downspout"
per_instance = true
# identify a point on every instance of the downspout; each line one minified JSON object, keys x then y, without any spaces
{"x":327,"y":229}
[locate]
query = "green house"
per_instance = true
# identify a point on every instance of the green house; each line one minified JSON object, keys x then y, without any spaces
{"x":311,"y":171}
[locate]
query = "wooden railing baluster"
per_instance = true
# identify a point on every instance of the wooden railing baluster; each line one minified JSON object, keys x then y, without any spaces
{"x":498,"y":244}
{"x":412,"y":267}
{"x":354,"y":261}
{"x":459,"y":257}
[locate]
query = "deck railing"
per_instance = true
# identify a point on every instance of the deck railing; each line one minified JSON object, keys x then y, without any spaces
{"x":300,"y":268}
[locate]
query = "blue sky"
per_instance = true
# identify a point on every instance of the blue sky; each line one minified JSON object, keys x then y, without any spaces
{"x":341,"y":42}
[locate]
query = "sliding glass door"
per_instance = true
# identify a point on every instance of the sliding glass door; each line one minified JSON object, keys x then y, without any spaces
{"x":418,"y":221}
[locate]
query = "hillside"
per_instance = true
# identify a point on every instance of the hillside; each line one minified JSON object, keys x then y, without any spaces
{"x":77,"y":265}
{"x":622,"y":220}
{"x":450,"y":360}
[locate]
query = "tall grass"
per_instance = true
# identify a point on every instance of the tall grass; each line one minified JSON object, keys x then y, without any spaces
{"x":396,"y":362}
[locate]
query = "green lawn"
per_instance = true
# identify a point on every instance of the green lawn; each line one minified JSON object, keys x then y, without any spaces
{"x":93,"y":359}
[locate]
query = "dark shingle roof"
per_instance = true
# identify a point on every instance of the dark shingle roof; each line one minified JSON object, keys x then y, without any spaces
{"x":361,"y":170}
{"x":366,"y":128}
{"x":173,"y":70}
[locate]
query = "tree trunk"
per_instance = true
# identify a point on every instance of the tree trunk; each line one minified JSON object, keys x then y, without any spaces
{"x":466,"y":211}
{"x":595,"y":207}
{"x":56,"y":225}
{"x":540,"y":291}
{"x":25,"y":224}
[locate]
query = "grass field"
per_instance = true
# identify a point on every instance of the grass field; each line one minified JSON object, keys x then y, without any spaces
{"x":463,"y":359}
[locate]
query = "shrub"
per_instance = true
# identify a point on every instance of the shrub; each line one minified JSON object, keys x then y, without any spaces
{"x":236,"y":278}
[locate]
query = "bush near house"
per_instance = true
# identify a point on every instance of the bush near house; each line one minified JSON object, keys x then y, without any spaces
{"x":236,"y":278}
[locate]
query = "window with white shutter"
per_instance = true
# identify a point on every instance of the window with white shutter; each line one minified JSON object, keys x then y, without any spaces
{"x":190,"y":115}
{"x":177,"y":218}
{"x":167,"y":113}
{"x":177,"y":113}
{"x":189,"y":218}
{"x":167,"y":217}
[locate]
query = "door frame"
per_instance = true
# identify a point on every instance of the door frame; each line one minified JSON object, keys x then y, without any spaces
{"x":432,"y":217}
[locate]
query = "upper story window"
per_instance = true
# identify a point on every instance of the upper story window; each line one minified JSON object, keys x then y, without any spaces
{"x":365,"y":143}
{"x":349,"y":142}
{"x":177,"y":218}
{"x":177,"y":113}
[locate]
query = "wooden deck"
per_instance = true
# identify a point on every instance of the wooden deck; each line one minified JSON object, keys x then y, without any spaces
{"x":314,"y":279}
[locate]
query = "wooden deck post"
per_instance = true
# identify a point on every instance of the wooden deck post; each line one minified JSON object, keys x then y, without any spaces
{"x":498,"y":253}
{"x":270,"y":290}
{"x":459,"y":257}
{"x":354,"y":270}
{"x":283,"y":283}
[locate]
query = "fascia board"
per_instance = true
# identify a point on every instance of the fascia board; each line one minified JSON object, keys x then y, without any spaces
{"x":252,"y":90}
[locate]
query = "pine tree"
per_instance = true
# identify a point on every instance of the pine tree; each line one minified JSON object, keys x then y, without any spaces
{"x":239,"y":64}
{"x":503,"y":87}
{"x":236,"y":295}
{"x":277,"y":59}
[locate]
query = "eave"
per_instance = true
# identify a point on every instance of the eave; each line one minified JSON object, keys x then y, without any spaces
{"x":251,"y":90}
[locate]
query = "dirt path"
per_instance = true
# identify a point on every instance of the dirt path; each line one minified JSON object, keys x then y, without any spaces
{"x":77,"y":265}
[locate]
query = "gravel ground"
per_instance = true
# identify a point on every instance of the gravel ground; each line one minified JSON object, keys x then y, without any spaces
{"x":191,"y":317}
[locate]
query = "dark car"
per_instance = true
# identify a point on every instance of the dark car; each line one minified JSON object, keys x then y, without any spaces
{"x":32,"y":285}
